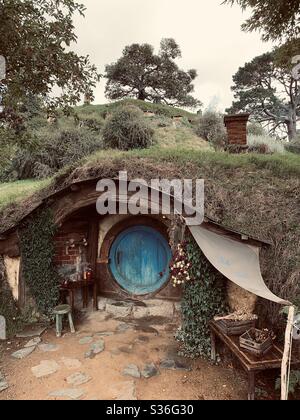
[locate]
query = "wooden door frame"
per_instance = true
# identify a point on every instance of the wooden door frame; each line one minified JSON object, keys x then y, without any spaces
{"x":103,"y":269}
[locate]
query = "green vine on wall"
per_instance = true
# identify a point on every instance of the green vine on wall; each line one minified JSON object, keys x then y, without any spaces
{"x":204,"y":297}
{"x":38,"y":269}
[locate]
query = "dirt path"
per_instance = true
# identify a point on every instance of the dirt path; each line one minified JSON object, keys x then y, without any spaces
{"x":125,"y":344}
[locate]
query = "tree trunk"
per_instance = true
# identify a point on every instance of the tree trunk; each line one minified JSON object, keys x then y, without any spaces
{"x":292,"y":125}
{"x":142,"y":95}
{"x":292,"y":130}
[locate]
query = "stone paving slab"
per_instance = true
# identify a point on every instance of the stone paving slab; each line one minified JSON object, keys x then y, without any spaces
{"x":30,"y":332}
{"x":132,"y":370}
{"x":3,"y":383}
{"x":78,"y":379}
{"x":48,"y":348}
{"x":45,"y":368}
{"x":71,"y":363}
{"x":95,"y":348}
{"x":85,"y":340}
{"x":149,"y":371}
{"x":72,"y":394}
{"x":21,"y":354}
{"x":34,"y":342}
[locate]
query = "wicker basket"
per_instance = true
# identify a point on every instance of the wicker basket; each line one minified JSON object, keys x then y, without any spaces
{"x":251,"y":346}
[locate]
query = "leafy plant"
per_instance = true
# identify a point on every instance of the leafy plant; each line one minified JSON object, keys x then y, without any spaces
{"x":255,"y":129}
{"x":35,"y":40}
{"x":294,"y":384}
{"x":211,"y":128}
{"x":271,"y":144}
{"x":37,"y":251}
{"x":294,"y":147}
{"x":203,"y":298}
{"x":276,"y":19}
{"x":127,"y":129}
{"x":50,"y":151}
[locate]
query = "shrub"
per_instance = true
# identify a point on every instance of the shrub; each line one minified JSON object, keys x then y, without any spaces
{"x":93,"y":124}
{"x":294,"y":383}
{"x":255,"y":129}
{"x":211,"y":128}
{"x":127,"y":129}
{"x":265,"y":144}
{"x":49,"y":152}
{"x":294,"y":147}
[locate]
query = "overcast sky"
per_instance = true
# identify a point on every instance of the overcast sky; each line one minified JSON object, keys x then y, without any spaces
{"x":208,"y":33}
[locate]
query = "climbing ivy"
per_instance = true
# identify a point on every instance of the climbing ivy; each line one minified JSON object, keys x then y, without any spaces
{"x":38,"y":270}
{"x":204,"y":296}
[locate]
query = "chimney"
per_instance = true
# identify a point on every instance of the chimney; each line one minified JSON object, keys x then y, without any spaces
{"x":236,"y":126}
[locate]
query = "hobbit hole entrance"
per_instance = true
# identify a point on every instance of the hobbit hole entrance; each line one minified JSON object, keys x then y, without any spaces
{"x":139,"y":260}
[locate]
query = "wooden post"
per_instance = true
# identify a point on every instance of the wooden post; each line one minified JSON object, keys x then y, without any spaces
{"x":251,"y":386}
{"x":213,"y":347}
{"x":286,"y":355}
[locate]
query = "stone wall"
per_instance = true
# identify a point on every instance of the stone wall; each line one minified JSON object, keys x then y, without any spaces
{"x":153,"y":308}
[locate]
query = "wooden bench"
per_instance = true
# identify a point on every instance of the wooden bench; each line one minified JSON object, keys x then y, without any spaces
{"x":250,"y":363}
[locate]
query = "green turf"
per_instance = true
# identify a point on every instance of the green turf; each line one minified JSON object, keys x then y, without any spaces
{"x":13,"y":192}
{"x":158,"y":109}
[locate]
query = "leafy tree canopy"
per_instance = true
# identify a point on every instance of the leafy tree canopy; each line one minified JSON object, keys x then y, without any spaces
{"x":265,"y":88}
{"x":142,"y":74}
{"x":276,"y":19}
{"x":36,"y":38}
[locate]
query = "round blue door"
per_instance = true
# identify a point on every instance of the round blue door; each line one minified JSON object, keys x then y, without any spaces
{"x":139,"y":260}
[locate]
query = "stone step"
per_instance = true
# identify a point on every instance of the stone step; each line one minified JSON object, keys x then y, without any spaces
{"x":139,"y":309}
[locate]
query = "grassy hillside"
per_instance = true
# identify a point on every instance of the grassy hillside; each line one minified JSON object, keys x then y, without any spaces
{"x":14,"y":192}
{"x":158,"y":109}
{"x":49,"y":144}
{"x":252,"y":193}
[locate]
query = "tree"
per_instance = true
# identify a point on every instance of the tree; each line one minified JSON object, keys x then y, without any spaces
{"x":266,"y":89}
{"x":276,"y":19}
{"x":211,"y":128}
{"x":35,"y":40}
{"x":141,"y":74}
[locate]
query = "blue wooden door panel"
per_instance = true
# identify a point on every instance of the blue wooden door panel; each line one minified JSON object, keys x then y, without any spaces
{"x":139,"y":259}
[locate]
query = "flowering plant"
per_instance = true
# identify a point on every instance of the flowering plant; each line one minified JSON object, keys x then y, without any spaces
{"x":180,"y":266}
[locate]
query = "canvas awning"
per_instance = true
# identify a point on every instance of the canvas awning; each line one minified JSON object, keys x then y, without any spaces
{"x":237,"y":261}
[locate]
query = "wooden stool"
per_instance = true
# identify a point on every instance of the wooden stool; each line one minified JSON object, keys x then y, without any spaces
{"x":59,"y":313}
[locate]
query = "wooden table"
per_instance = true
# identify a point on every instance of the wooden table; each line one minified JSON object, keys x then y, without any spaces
{"x":250,"y":363}
{"x":84,"y":286}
